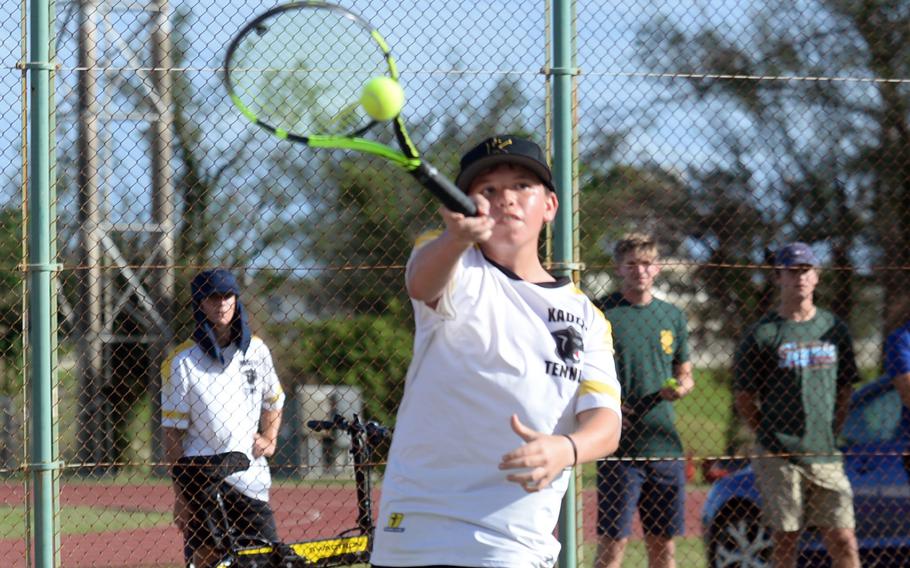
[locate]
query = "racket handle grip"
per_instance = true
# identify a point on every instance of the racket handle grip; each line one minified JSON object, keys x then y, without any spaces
{"x":447,"y":192}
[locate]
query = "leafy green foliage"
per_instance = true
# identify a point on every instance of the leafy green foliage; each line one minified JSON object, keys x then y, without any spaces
{"x":364,"y":213}
{"x":369,"y":352}
{"x":10,"y":301}
{"x":633,"y":199}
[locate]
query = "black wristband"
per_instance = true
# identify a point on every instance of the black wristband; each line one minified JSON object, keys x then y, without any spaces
{"x":574,"y":449}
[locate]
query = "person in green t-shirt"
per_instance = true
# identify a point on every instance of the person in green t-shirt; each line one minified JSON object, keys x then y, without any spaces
{"x":651,"y":342}
{"x":793,"y":376}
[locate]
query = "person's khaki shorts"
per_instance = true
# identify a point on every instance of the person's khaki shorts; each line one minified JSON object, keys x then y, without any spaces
{"x":796,"y":496}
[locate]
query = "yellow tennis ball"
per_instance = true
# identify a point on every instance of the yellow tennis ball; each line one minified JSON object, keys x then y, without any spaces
{"x":382,"y":98}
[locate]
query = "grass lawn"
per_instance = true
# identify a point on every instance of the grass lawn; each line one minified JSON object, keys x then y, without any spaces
{"x":690,"y":552}
{"x":702,"y":417}
{"x":80,"y":520}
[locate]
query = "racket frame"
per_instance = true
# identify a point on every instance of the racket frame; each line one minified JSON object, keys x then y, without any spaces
{"x":408,"y":158}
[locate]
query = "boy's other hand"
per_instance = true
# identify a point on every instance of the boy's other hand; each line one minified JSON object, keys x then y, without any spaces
{"x":263,"y":446}
{"x":541,"y":458}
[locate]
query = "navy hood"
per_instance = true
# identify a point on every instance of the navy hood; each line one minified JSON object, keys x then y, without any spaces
{"x":205,"y":284}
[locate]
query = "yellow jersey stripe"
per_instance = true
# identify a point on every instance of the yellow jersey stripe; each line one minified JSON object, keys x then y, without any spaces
{"x":166,"y":364}
{"x":608,"y":339}
{"x":426,"y":237}
{"x":596,"y":387}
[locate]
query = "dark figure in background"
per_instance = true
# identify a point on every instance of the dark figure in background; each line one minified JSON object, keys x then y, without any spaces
{"x":220,"y":394}
{"x":794,"y":372}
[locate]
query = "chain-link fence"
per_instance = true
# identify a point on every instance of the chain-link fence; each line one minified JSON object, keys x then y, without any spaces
{"x":724,"y":130}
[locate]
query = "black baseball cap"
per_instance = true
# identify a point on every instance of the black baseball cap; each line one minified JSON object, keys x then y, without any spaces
{"x":504,"y":149}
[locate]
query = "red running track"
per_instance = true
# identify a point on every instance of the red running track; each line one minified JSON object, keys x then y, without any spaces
{"x":301,"y":513}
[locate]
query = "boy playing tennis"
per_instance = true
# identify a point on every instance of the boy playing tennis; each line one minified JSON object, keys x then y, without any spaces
{"x":512,"y":381}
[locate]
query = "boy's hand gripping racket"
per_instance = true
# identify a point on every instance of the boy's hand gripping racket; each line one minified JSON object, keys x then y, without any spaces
{"x":297,"y":70}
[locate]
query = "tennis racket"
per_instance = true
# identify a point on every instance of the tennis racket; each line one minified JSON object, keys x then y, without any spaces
{"x":641,"y":406}
{"x":298,"y":69}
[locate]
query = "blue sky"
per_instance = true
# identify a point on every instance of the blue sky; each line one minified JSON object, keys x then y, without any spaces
{"x":448,"y":51}
{"x":10,"y":86}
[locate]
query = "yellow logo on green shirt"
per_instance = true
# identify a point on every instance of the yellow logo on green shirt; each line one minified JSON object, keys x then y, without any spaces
{"x":666,"y":341}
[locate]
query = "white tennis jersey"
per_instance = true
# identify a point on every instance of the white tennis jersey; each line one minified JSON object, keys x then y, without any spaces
{"x":219,"y":406}
{"x":495,"y":345}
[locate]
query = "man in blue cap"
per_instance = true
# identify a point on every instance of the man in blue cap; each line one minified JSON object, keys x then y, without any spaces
{"x":794,"y":372}
{"x":220,"y":394}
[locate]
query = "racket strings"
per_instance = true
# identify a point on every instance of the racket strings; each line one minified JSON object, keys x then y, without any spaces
{"x":348,"y":119}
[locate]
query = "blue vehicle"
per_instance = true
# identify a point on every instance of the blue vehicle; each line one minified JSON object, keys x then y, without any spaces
{"x":874,"y":437}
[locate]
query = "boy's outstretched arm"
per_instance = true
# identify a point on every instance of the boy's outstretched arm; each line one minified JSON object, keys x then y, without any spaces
{"x":544,"y":456}
{"x":433,"y":264}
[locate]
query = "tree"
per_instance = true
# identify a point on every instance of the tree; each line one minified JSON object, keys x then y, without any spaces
{"x":363,"y":214}
{"x":715,"y":208}
{"x":368,"y":352}
{"x":829,"y":159}
{"x":808,"y":140}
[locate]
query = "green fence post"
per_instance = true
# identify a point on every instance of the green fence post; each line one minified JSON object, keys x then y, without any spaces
{"x":563,"y":73}
{"x":40,"y":268}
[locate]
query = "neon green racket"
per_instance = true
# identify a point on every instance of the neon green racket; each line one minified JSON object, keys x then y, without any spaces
{"x":297,"y":70}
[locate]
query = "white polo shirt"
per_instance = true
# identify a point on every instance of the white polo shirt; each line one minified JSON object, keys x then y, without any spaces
{"x":495,"y":345}
{"x":219,"y":406}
